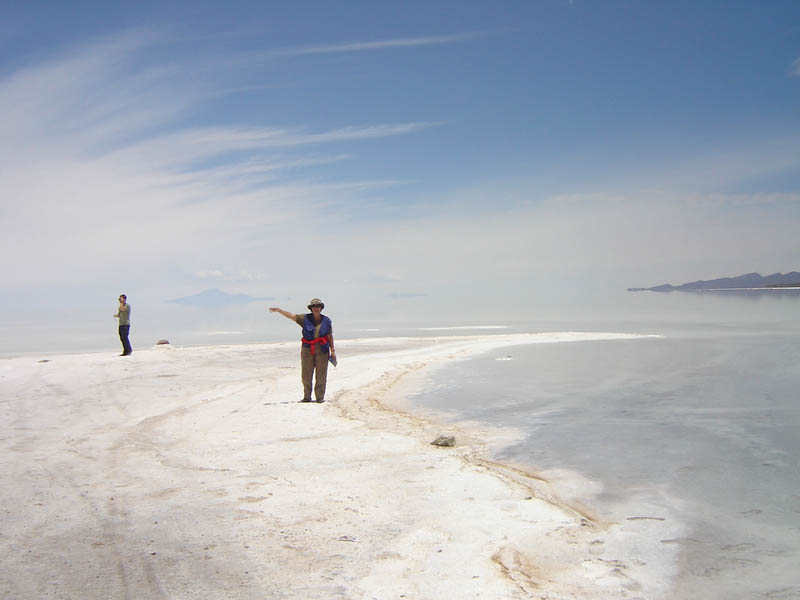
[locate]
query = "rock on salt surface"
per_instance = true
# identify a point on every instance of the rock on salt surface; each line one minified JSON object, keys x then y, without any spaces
{"x":445,"y":441}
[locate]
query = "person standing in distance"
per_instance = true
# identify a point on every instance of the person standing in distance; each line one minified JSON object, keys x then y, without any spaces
{"x":316,"y":348}
{"x":124,"y":316}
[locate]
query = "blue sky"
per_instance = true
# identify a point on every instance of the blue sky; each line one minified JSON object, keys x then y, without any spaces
{"x":395,"y":153}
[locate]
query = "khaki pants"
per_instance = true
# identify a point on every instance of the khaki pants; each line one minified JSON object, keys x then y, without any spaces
{"x":308,"y":364}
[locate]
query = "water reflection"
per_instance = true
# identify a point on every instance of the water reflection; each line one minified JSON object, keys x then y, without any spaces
{"x":747,"y":294}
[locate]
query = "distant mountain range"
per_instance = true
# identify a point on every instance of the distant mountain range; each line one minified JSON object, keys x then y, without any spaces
{"x":214,"y":298}
{"x":748,"y":281}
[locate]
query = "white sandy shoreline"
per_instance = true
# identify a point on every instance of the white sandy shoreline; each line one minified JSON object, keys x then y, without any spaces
{"x":194,"y":473}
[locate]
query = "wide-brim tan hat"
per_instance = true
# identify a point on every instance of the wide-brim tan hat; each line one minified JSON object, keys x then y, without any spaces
{"x":316,"y":302}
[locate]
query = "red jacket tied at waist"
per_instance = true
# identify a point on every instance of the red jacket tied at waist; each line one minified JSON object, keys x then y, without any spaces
{"x":313,"y":343}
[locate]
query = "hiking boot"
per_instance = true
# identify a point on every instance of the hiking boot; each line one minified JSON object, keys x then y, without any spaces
{"x":306,"y":400}
{"x":319,"y":400}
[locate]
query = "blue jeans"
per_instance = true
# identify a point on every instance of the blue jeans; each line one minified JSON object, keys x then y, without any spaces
{"x":124,"y":330}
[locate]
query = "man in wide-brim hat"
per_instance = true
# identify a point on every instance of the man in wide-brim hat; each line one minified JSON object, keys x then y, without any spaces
{"x":316,"y":348}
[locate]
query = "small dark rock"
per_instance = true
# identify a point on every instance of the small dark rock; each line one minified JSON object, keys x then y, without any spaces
{"x":444,"y":440}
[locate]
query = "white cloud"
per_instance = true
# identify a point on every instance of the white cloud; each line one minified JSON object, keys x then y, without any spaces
{"x":92,"y":186}
{"x":187,"y":147}
{"x":740,"y":162}
{"x":100,"y":187}
{"x":568,"y":246}
{"x":89,"y":96}
{"x":230,"y":274}
{"x":378,"y":45}
{"x":794,"y":69}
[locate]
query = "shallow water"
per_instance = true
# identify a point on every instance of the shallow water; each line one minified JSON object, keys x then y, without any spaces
{"x":702,"y":426}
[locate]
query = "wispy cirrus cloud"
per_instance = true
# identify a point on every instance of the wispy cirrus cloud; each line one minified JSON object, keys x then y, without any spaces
{"x":106,"y":93}
{"x":186,"y":147}
{"x":271,"y":56}
{"x":378,"y":45}
{"x":794,"y":69}
{"x":105,"y":142}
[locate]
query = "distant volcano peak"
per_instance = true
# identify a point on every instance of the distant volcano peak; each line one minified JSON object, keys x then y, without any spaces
{"x":215,"y":298}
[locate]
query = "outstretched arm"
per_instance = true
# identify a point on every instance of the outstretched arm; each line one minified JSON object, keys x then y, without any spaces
{"x":285,"y":313}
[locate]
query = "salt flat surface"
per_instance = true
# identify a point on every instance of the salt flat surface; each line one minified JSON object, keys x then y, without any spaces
{"x":194,"y":473}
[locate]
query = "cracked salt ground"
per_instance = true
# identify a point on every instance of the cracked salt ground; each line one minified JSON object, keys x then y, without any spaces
{"x":117,"y":482}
